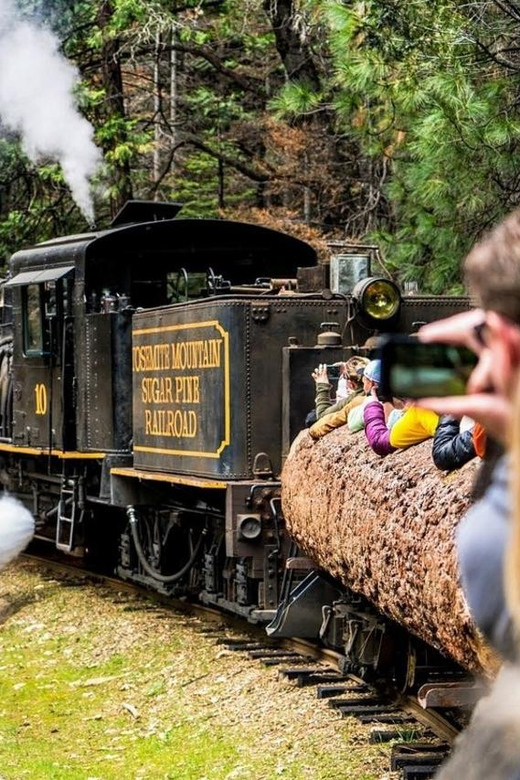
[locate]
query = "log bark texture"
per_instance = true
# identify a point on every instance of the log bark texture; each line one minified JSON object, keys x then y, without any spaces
{"x":385,"y":528}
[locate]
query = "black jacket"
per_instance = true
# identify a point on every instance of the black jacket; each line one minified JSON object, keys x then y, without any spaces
{"x":451,"y":448}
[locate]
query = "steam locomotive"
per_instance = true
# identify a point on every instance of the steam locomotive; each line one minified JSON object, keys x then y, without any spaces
{"x":152,"y":378}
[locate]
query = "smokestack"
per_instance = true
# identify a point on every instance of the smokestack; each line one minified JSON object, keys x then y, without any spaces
{"x":37,"y":101}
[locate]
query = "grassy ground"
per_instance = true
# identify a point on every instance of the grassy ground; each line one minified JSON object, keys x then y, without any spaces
{"x":98,"y":686}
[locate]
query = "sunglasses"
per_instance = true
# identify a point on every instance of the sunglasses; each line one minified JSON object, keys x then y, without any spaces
{"x":481,"y":333}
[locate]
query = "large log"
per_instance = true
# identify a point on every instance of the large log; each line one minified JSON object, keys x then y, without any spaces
{"x":385,"y":528}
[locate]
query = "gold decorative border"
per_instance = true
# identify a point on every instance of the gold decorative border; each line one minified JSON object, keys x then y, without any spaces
{"x":227,"y":395}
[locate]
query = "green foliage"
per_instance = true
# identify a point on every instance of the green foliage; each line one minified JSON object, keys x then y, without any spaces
{"x":409,"y":85}
{"x":34,"y":202}
{"x":197,"y":188}
{"x":410,"y":136}
{"x":297,"y":99}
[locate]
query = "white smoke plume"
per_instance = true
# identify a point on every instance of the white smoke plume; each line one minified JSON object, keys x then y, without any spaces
{"x":37,"y":101}
{"x":16,"y":529}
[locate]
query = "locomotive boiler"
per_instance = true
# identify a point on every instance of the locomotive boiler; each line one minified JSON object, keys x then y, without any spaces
{"x":152,"y":378}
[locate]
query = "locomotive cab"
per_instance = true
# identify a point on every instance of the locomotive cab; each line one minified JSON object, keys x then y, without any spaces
{"x":42,"y":410}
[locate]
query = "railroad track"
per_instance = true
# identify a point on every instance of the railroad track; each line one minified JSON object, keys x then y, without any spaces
{"x":422,"y":738}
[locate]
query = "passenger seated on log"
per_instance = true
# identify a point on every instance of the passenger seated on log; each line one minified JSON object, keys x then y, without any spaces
{"x":488,"y":542}
{"x":371,"y":377}
{"x":379,"y":417}
{"x":350,"y":384}
{"x":452,"y":448}
{"x":412,"y":426}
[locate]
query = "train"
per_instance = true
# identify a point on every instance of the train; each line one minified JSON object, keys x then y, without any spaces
{"x":152,"y":378}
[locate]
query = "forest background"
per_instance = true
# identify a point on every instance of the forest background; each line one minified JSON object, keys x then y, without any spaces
{"x":385,"y":121}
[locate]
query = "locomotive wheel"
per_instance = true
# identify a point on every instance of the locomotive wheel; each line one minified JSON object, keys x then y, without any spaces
{"x":405,"y":665}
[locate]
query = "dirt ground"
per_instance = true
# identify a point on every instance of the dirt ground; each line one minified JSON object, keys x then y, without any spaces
{"x":96,"y":684}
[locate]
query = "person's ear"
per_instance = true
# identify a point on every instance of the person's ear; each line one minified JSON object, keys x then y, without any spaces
{"x":508,"y":333}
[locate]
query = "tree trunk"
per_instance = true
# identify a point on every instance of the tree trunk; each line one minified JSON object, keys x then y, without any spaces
{"x":157,"y":99}
{"x":174,"y":74}
{"x":115,"y":106}
{"x":385,"y":529}
{"x":295,"y":54}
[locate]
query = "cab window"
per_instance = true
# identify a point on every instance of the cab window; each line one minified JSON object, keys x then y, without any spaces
{"x":33,"y":311}
{"x":183,"y":286}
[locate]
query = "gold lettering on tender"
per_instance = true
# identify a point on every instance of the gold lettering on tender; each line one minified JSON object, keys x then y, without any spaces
{"x":168,"y":389}
{"x":190,"y":428}
{"x":169,"y":423}
{"x":151,"y":358}
{"x":215,"y":351}
{"x":156,"y":391}
{"x":195,"y":354}
{"x":187,"y":389}
{"x":177,"y":424}
{"x":173,"y":392}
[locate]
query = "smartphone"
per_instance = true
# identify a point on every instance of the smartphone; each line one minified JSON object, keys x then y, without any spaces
{"x":334,"y":370}
{"x":411,"y":369}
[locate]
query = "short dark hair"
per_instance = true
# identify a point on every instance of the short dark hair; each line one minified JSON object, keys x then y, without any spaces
{"x":492,"y":269}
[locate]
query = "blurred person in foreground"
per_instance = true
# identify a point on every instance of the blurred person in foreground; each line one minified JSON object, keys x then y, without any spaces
{"x":16,"y":529}
{"x":488,"y":539}
{"x":492,"y":274}
{"x":489,"y":749}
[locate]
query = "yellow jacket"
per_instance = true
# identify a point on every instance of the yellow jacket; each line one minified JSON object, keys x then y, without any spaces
{"x":328,"y":422}
{"x":414,"y":426}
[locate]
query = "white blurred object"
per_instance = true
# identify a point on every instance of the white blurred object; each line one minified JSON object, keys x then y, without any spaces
{"x":16,"y":529}
{"x":466,"y":424}
{"x":342,"y":390}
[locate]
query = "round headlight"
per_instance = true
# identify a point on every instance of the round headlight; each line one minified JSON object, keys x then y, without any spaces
{"x":379,"y":298}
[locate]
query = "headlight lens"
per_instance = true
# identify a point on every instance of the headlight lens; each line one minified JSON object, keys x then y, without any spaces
{"x":379,"y":298}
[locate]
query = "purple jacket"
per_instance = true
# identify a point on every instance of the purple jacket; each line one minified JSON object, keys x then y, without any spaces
{"x":376,"y":431}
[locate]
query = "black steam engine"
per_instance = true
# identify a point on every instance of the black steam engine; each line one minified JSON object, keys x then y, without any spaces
{"x":152,"y":378}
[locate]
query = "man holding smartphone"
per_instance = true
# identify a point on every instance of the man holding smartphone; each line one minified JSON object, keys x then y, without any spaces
{"x":484,"y":540}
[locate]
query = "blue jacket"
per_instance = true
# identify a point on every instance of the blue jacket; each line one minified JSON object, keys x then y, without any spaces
{"x":482,"y":538}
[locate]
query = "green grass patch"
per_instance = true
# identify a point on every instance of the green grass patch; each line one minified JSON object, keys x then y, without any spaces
{"x":91,"y":690}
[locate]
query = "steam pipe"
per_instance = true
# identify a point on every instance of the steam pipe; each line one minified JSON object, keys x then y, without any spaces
{"x":132,"y":516}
